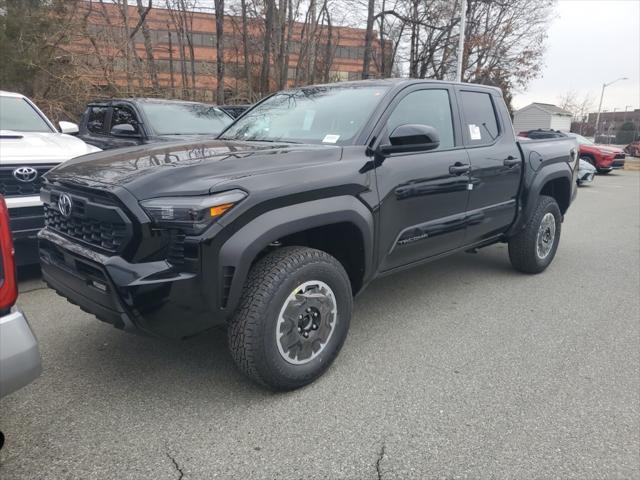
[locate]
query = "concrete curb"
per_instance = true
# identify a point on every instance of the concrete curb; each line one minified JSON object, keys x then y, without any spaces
{"x":632,"y":163}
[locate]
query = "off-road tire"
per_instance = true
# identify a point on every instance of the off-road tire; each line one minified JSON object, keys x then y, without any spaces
{"x":252,"y":330}
{"x":523,"y":246}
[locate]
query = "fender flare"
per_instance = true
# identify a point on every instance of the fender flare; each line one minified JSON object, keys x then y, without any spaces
{"x":531,"y":194}
{"x":240,"y":250}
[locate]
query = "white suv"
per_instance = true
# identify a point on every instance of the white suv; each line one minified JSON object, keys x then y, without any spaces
{"x":30,"y":146}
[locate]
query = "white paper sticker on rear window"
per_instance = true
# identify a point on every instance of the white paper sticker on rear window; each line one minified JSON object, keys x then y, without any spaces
{"x":331,"y":138}
{"x":474,"y":132}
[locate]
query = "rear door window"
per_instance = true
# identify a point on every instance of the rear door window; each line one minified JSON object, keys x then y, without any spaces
{"x":480,"y":122}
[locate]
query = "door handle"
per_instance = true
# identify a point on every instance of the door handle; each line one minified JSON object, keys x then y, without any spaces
{"x":511,"y":161}
{"x":459,"y":168}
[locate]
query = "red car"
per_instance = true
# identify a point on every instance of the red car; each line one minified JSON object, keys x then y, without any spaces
{"x":633,"y":149}
{"x":604,"y":157}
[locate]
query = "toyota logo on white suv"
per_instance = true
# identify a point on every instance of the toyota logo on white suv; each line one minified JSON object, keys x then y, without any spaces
{"x":25,"y":174}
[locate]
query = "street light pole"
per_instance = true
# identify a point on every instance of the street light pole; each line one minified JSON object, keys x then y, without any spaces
{"x":604,"y":85}
{"x":463,"y":19}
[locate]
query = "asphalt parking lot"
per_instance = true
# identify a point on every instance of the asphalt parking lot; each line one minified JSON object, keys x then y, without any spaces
{"x":459,"y":369}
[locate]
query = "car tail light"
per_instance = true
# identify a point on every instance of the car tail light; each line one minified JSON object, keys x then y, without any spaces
{"x":8,"y":284}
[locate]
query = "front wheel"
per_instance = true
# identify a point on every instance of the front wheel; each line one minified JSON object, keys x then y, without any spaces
{"x":532,"y":250}
{"x":293,"y":318}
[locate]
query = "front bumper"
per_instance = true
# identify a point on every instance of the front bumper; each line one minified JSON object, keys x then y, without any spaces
{"x":585,"y":177}
{"x":152,"y":297}
{"x":26,"y":216}
{"x":618,"y":163}
{"x":19,"y":355}
{"x":26,"y":219}
{"x":609,"y":163}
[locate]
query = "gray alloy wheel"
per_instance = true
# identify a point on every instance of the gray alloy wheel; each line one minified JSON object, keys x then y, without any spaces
{"x":293,"y":317}
{"x":306,"y":322}
{"x":533,"y":248}
{"x":546,"y":235}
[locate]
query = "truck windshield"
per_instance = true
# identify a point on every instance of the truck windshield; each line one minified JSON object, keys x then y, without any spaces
{"x":17,"y":114}
{"x":329,"y":115}
{"x":185,"y":118}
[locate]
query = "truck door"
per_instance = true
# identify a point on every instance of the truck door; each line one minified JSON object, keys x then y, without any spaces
{"x":496,"y":163}
{"x":423,"y":195}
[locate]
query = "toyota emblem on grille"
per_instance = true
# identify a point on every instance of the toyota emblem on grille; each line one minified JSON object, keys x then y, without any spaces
{"x":25,"y":174}
{"x":64,"y":205}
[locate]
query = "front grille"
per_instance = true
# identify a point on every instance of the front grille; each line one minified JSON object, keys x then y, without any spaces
{"x":620,"y":155}
{"x":10,"y":186}
{"x":103,"y":227}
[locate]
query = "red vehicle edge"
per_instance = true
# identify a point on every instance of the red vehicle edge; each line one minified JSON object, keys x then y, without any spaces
{"x":604,"y":157}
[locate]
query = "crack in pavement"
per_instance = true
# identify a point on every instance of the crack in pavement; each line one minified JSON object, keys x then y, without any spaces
{"x":175,"y":464}
{"x":379,"y":460}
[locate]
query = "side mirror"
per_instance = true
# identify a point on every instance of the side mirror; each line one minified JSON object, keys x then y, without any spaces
{"x":411,"y":138}
{"x":69,"y":128}
{"x":124,"y":130}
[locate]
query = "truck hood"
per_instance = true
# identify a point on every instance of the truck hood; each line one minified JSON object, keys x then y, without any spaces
{"x":158,"y":170}
{"x":604,"y":148}
{"x":40,"y":147}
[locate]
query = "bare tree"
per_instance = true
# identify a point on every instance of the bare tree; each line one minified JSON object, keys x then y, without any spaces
{"x":220,"y":50}
{"x":368,"y":41}
{"x":148,"y":44}
{"x":578,"y":105}
{"x":266,"y":49}
{"x":245,"y":48}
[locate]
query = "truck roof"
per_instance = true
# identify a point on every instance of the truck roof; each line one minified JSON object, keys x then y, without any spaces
{"x":104,"y":101}
{"x":396,"y":82}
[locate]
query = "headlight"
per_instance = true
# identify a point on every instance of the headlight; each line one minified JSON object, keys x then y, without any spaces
{"x":191,"y":214}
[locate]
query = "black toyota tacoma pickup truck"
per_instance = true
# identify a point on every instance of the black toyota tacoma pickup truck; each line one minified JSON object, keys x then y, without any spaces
{"x":274,"y":226}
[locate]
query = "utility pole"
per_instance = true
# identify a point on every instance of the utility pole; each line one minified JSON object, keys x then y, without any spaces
{"x":604,"y":85}
{"x":463,"y":20}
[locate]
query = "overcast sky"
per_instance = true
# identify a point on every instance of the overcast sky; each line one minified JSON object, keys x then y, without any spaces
{"x":591,"y":42}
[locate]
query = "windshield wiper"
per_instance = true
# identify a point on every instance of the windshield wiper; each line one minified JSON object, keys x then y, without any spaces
{"x":269,"y":140}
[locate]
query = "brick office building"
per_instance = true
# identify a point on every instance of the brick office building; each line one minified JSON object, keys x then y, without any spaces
{"x":99,"y":50}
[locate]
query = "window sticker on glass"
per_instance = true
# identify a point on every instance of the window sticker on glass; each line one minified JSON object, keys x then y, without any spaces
{"x":474,"y":132}
{"x":330,"y":138}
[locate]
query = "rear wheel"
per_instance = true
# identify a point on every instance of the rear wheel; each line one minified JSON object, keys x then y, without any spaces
{"x":603,"y":171}
{"x":533,"y":249}
{"x":293,"y":318}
